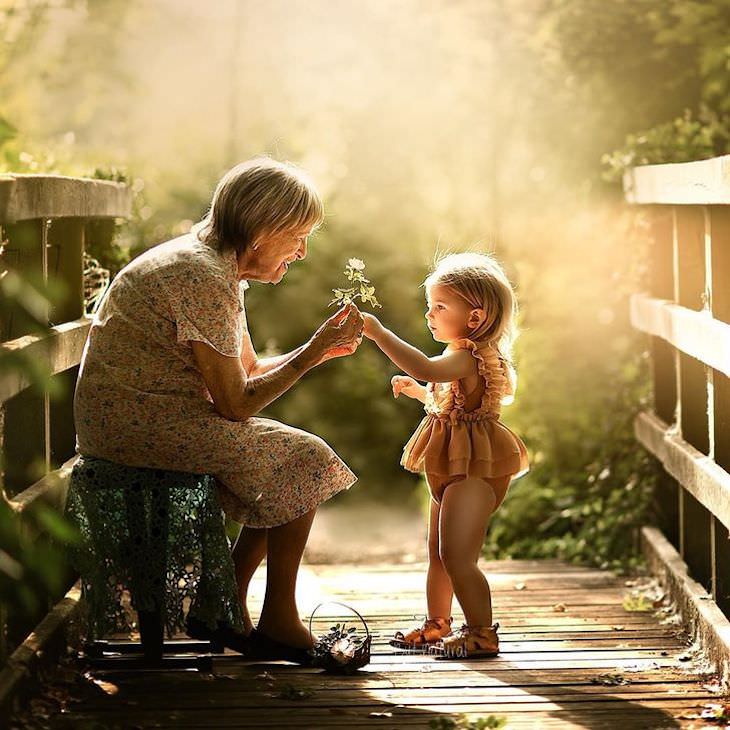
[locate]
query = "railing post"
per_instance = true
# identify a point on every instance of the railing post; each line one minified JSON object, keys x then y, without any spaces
{"x":44,"y":220}
{"x":690,"y":324}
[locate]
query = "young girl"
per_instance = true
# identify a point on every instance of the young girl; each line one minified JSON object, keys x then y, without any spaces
{"x":469,"y":456}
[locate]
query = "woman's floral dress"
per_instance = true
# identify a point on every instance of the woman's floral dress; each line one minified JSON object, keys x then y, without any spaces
{"x":140,"y":399}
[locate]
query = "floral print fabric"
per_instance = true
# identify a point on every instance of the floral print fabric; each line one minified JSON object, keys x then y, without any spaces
{"x":140,"y":399}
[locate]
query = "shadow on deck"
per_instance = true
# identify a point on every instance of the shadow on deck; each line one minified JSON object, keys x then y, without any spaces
{"x":555,"y":669}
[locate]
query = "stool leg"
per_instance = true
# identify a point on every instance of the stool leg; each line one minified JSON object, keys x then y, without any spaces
{"x":151,"y":634}
{"x":151,"y":527}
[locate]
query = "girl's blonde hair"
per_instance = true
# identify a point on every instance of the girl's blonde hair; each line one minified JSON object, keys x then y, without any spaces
{"x":481,"y":282}
{"x":259,"y":196}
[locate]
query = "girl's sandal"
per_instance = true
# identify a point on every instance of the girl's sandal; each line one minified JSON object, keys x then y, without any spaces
{"x":429,"y":633}
{"x":469,"y":642}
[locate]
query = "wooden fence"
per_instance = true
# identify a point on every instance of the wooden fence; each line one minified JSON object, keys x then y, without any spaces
{"x":45,"y":224}
{"x":686,"y":313}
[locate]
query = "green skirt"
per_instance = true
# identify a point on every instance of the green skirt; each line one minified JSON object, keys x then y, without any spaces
{"x":150,"y":539}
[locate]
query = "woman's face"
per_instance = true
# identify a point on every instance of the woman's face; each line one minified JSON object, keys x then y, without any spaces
{"x":273,"y":254}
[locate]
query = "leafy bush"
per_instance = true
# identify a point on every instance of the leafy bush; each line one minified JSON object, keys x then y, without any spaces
{"x":682,"y":140}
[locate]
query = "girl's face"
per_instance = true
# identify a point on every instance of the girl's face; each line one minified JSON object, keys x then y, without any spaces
{"x":449,"y":317}
{"x":270,"y":260}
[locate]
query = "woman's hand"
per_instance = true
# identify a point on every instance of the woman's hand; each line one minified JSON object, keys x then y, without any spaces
{"x":371,"y":326}
{"x":339,"y":335}
{"x":406,"y":385}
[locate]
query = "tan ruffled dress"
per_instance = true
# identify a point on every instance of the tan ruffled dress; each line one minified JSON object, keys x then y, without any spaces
{"x":457,"y":438}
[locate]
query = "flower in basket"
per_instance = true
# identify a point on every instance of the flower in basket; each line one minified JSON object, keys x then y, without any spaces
{"x":361,"y":288}
{"x":341,"y":650}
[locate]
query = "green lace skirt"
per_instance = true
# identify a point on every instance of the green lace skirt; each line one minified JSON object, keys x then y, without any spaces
{"x":151,"y":539}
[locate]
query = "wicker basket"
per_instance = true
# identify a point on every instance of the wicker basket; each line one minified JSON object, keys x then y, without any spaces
{"x":341,"y":650}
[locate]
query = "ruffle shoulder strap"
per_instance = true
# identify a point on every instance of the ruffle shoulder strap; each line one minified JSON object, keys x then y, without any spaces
{"x":493,"y":368}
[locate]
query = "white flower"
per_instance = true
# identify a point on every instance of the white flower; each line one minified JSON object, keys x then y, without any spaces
{"x":343,"y":650}
{"x":357,"y":264}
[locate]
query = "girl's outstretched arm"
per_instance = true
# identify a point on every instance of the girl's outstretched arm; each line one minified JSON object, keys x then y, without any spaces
{"x":439,"y":369}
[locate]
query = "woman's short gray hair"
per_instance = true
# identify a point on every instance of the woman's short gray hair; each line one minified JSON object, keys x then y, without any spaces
{"x":259,"y":196}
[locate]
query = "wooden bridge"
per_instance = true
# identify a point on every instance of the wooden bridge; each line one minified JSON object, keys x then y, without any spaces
{"x":581,"y":647}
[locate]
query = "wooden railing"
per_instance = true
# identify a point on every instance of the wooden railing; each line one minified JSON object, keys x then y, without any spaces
{"x":45,"y":224}
{"x":686,"y":314}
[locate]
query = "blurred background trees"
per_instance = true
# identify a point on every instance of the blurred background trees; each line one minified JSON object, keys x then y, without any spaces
{"x":428,"y":127}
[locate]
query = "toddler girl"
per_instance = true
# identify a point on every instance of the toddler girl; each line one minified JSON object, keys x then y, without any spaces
{"x":469,"y":456}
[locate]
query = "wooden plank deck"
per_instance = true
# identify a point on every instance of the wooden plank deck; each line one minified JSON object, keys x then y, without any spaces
{"x":551,"y":671}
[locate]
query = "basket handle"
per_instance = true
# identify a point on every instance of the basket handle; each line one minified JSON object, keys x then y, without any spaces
{"x":344,"y":605}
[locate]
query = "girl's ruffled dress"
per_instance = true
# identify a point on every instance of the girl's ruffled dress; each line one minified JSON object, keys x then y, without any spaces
{"x":452,"y":441}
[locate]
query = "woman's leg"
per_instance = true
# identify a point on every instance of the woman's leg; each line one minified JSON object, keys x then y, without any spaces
{"x":466,"y":509}
{"x":279,"y":616}
{"x":439,"y":591}
{"x":248,"y":552}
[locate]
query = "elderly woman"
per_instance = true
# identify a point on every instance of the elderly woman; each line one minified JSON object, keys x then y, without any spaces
{"x":170,"y":379}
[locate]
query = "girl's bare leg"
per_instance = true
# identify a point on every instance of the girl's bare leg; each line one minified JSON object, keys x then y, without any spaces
{"x":248,"y":552}
{"x":466,"y":509}
{"x":439,"y":591}
{"x":279,"y":615}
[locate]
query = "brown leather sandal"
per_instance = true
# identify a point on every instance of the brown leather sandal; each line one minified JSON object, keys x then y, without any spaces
{"x":429,"y":633}
{"x":469,"y":642}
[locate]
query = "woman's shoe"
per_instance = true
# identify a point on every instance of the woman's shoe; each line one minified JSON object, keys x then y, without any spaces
{"x":469,"y":642}
{"x":221,"y":638}
{"x":263,"y":648}
{"x":428,"y":634}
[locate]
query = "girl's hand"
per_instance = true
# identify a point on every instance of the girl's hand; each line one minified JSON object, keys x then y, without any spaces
{"x":339,"y":335}
{"x":371,"y":326}
{"x":406,"y":385}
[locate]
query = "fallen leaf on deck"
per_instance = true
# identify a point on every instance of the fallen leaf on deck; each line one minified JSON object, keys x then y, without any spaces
{"x":716,"y":713}
{"x":559,"y":608}
{"x":108,"y":687}
{"x":290,"y":692}
{"x":610,"y":680}
{"x":714,"y":687}
{"x":636,"y":604}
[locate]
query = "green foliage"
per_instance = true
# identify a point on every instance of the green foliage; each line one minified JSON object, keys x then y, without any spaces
{"x":504,"y":146}
{"x":590,"y":486}
{"x":582,"y":376}
{"x":657,"y":65}
{"x":682,"y":140}
{"x":347,"y":401}
{"x":30,"y":567}
{"x":464,"y":723}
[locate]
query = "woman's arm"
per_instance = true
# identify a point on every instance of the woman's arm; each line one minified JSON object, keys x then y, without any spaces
{"x":238,"y":395}
{"x":255,"y":365}
{"x":263,"y":365}
{"x":439,"y":369}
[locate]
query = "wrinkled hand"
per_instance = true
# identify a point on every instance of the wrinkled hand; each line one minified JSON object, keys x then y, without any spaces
{"x":406,"y":385}
{"x":341,"y":334}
